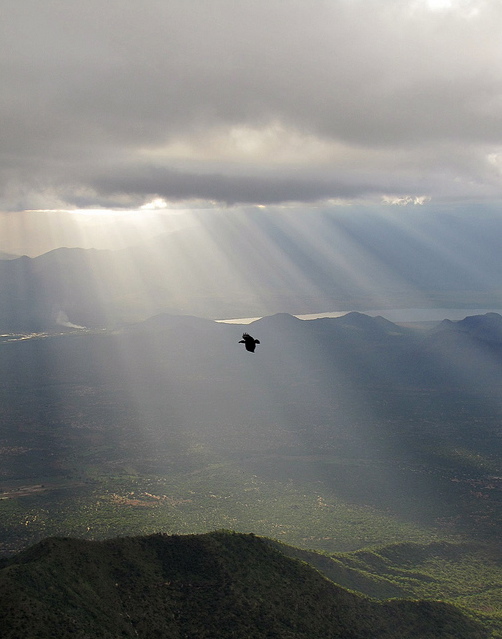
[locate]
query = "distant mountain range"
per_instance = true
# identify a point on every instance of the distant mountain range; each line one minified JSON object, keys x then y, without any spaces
{"x":215,"y":586}
{"x":487,"y":328}
{"x":244,"y":265}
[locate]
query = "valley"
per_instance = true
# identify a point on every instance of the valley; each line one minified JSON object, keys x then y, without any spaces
{"x":337,"y":436}
{"x":168,"y":427}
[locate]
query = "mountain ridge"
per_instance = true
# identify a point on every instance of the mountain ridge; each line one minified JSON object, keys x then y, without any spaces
{"x":487,"y":327}
{"x":217,"y":268}
{"x":217,"y":585}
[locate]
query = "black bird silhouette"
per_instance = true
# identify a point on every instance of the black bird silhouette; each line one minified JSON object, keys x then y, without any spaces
{"x":249,"y":342}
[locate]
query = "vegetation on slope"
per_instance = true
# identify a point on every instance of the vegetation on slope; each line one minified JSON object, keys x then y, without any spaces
{"x":216,"y":585}
{"x":467,"y":574}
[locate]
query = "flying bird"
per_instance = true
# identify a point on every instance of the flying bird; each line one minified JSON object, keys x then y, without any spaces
{"x":249,"y":342}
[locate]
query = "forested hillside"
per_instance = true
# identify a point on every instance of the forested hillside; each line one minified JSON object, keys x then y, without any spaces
{"x":215,"y":586}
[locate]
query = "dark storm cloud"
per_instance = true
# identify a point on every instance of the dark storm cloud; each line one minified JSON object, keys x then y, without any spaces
{"x":93,"y":87}
{"x":148,"y":182}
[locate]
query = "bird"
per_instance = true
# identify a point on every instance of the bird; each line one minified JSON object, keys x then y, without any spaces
{"x":249,"y":342}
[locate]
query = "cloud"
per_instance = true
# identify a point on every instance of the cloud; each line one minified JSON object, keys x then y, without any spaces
{"x":111,"y":103}
{"x":394,"y":200}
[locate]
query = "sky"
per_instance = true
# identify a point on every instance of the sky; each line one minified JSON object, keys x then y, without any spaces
{"x":157,"y":107}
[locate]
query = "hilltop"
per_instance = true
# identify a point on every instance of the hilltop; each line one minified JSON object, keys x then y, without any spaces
{"x":218,"y":585}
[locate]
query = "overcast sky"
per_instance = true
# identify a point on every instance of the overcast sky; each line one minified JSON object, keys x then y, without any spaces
{"x":256,"y":102}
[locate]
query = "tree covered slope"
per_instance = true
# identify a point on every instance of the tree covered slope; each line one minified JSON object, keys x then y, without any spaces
{"x":217,"y":585}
